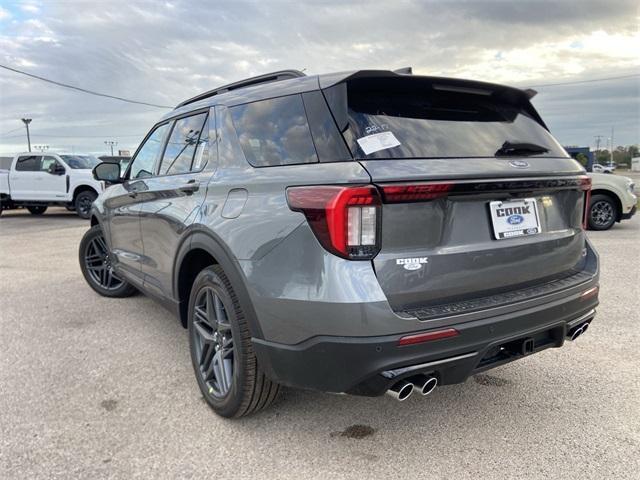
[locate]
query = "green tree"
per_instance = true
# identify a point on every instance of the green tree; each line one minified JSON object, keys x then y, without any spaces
{"x":582,"y":158}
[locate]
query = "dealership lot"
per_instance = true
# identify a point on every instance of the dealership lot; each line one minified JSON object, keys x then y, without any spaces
{"x":96,"y":387}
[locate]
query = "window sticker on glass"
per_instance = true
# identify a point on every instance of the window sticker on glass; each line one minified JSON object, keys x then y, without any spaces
{"x":377,"y":142}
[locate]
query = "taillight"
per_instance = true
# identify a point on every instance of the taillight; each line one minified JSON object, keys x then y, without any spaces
{"x":345,"y":220}
{"x":585,"y":184}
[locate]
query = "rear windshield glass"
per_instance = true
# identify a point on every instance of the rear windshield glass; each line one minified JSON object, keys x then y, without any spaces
{"x":409,"y":118}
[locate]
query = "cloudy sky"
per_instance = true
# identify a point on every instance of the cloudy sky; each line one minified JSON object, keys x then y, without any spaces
{"x":163,"y":52}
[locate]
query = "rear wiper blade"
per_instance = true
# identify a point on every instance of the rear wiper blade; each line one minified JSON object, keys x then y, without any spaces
{"x":519,"y":148}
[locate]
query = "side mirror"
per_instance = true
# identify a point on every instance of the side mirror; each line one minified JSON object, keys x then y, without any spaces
{"x":107,"y":172}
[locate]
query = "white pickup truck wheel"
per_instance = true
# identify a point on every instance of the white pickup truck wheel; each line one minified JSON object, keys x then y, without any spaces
{"x":83,"y":203}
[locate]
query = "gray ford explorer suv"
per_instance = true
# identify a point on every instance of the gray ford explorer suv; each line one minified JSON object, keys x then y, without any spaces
{"x":361,"y":232}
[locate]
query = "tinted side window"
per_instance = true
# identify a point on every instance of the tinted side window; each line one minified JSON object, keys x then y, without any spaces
{"x":274,"y":132}
{"x":326,"y":137}
{"x":181,"y":145}
{"x":146,"y":158}
{"x":28,"y":163}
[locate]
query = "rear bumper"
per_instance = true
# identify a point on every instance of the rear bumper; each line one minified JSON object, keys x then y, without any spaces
{"x":370,"y":365}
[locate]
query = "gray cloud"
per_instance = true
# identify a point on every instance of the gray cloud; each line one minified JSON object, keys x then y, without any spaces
{"x":165,"y":52}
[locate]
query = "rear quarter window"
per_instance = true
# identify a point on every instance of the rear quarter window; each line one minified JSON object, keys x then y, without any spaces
{"x":274,"y":132}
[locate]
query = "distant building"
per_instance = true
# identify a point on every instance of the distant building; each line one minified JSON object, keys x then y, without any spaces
{"x":575,"y":151}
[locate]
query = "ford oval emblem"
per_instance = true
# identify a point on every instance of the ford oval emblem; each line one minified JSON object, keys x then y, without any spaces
{"x":412,"y":266}
{"x":515,"y":219}
{"x":519,"y":164}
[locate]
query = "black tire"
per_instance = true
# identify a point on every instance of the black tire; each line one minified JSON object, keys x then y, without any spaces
{"x":603,"y":212}
{"x":37,"y":210}
{"x":71,"y":208}
{"x":96,"y":268}
{"x":83,"y":203}
{"x":248,"y":389}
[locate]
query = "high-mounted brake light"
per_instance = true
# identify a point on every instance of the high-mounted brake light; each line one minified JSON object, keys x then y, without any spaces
{"x":345,"y":220}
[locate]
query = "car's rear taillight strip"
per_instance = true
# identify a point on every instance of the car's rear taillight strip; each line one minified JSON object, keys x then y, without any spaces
{"x":424,"y":191}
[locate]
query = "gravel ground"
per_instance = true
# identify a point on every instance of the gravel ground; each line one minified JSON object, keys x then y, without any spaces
{"x":95,"y":388}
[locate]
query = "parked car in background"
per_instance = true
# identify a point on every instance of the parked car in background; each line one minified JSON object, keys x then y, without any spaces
{"x":613,"y":199}
{"x":600,"y":168}
{"x":36,"y":181}
{"x":361,"y":232}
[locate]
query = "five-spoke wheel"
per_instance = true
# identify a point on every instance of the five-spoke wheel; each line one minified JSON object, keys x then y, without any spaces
{"x":227,"y":370}
{"x":213,"y":342}
{"x":97,"y":266}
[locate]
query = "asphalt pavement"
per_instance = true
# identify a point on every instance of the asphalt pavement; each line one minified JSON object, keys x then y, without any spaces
{"x":92,"y":387}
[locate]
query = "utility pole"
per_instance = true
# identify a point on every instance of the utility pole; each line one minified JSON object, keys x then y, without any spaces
{"x":611,"y":145}
{"x":26,"y":122}
{"x":597,"y":137}
{"x":111,"y":144}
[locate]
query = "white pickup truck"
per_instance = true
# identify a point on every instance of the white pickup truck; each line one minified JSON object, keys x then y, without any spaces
{"x":38,"y":180}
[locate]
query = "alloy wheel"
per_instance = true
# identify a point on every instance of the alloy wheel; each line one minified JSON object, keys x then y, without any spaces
{"x":84,"y":205}
{"x":601,"y":213}
{"x":213,"y":342}
{"x":98,"y":263}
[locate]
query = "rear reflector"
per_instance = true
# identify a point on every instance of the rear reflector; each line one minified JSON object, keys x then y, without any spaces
{"x":427,"y":336}
{"x":592,"y":292}
{"x":345,"y":220}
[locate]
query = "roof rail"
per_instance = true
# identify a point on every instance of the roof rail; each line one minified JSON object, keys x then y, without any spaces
{"x":266,"y":78}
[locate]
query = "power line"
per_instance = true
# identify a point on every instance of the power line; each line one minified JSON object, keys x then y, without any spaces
{"x":10,"y":131}
{"x":140,"y":135}
{"x":83,"y":90}
{"x":585,"y":81}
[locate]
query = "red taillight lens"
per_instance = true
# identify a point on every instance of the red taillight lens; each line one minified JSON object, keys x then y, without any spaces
{"x":427,"y":336}
{"x":346,"y":220}
{"x":585,"y":184}
{"x":415,"y":192}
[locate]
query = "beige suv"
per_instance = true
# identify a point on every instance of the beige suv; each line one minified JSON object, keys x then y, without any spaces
{"x":612,"y":200}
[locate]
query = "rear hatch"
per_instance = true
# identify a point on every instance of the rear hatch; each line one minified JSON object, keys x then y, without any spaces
{"x":478,"y":197}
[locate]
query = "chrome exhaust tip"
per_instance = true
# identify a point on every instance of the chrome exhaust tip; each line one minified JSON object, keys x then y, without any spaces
{"x":425,"y":385}
{"x":576,"y":333}
{"x":400,"y":391}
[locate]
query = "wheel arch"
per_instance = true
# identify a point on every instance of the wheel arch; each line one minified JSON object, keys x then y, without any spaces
{"x":613,"y":196}
{"x":199,"y":250}
{"x":82,"y":188}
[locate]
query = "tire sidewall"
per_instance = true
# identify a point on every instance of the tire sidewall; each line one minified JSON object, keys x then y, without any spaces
{"x":602,"y":198}
{"x":228,"y":405}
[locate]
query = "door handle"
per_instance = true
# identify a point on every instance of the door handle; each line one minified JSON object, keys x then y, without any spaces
{"x":190,"y":187}
{"x":133,"y":194}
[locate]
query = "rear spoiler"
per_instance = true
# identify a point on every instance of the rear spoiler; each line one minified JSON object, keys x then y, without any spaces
{"x":504,"y":93}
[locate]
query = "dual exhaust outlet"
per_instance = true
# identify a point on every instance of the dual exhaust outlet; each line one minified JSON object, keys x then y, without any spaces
{"x":422,"y":384}
{"x":577,"y":331}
